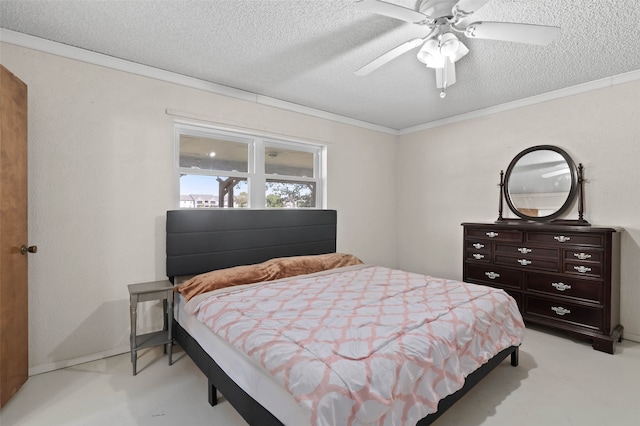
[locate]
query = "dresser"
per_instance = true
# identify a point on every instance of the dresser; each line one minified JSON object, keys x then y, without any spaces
{"x":561,"y":276}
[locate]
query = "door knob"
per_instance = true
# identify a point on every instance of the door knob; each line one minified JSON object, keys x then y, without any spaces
{"x":31,"y":249}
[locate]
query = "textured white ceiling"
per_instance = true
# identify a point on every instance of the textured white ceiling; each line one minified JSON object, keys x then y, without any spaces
{"x":306,"y":52}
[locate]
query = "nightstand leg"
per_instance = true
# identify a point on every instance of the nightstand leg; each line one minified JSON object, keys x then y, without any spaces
{"x":165,"y":320}
{"x":133,"y":301}
{"x":170,"y":324}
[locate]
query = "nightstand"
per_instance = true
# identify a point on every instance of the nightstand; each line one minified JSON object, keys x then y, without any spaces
{"x":144,"y":292}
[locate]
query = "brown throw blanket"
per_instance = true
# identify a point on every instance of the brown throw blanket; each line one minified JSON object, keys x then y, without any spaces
{"x":270,"y":270}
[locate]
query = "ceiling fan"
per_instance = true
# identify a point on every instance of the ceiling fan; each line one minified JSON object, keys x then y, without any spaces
{"x":440,"y":49}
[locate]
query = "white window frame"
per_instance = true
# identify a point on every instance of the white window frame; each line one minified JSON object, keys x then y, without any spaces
{"x":255,"y":176}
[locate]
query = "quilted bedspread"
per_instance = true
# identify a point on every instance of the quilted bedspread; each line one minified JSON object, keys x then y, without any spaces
{"x":365,"y":345}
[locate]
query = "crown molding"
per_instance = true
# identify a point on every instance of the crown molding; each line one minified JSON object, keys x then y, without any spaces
{"x":545,"y":97}
{"x":76,"y":53}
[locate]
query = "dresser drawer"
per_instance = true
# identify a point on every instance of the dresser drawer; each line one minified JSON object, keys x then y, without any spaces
{"x":584,"y":269}
{"x":478,"y":256}
{"x":521,"y":250}
{"x":527,"y":262}
{"x":561,"y":238}
{"x":478,"y":246}
{"x":563,"y":311}
{"x":495,"y":234}
{"x":583,"y":254}
{"x":588,"y":290}
{"x":494,"y":276}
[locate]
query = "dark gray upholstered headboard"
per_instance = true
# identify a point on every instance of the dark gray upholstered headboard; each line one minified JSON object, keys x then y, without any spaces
{"x":203,"y":240}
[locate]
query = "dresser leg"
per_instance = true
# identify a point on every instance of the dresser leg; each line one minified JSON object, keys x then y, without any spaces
{"x":606,"y":343}
{"x":603,"y":345}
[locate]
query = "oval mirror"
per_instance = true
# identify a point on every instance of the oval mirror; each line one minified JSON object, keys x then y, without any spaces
{"x":540,"y":183}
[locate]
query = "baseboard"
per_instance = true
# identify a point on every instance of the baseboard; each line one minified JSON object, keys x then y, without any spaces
{"x":45,"y":368}
{"x":631,"y":336}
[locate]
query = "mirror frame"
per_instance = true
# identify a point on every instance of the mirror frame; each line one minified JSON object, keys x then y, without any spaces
{"x":575,"y":180}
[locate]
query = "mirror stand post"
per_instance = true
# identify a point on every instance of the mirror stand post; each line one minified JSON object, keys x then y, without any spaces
{"x":581,"y":195}
{"x":501,"y":192}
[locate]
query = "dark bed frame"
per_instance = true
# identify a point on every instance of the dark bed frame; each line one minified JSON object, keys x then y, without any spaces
{"x":199,"y":241}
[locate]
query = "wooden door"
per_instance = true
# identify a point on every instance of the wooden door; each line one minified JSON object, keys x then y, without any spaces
{"x":14,"y":343}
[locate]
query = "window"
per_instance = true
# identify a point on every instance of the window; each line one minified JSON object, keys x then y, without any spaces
{"x":219,"y":168}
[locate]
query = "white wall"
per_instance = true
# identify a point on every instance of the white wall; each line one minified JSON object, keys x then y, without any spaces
{"x":449,"y":175}
{"x":101,"y":176}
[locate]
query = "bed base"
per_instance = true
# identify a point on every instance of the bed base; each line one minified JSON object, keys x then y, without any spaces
{"x":256,"y":415}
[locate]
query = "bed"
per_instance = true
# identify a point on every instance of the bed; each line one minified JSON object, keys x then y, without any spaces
{"x":199,"y":241}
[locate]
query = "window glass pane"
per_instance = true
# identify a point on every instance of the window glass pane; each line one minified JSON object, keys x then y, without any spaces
{"x":197,"y":191}
{"x":290,"y":194}
{"x":288,"y":162}
{"x":213,"y":154}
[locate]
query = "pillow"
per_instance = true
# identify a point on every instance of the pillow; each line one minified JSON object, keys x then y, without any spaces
{"x":270,"y":270}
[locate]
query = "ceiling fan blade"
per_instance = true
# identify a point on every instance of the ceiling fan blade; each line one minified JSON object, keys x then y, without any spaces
{"x":392,"y":10}
{"x":467,"y":7}
{"x":520,"y":33}
{"x":390,"y":55}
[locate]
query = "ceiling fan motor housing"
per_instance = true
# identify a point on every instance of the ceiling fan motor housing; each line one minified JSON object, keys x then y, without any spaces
{"x":437,"y":8}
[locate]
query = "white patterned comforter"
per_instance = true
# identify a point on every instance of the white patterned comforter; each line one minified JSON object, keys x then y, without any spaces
{"x":365,"y":345}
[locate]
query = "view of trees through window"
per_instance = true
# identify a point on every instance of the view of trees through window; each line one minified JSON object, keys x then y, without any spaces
{"x":288,"y":194}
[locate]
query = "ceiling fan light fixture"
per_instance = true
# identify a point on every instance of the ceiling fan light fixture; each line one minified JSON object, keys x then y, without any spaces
{"x":432,"y":52}
{"x":431,"y":61}
{"x":429,"y":54}
{"x":460,"y":52}
{"x":449,"y":44}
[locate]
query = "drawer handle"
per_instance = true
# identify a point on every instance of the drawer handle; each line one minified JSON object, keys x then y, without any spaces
{"x":582,"y":269}
{"x":561,"y":286}
{"x":492,"y":275}
{"x":524,"y":262}
{"x":491,"y":234}
{"x":561,"y":238}
{"x":478,"y":246}
{"x":524,"y":250}
{"x":559,"y":310}
{"x":478,"y":256}
{"x":582,"y":256}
